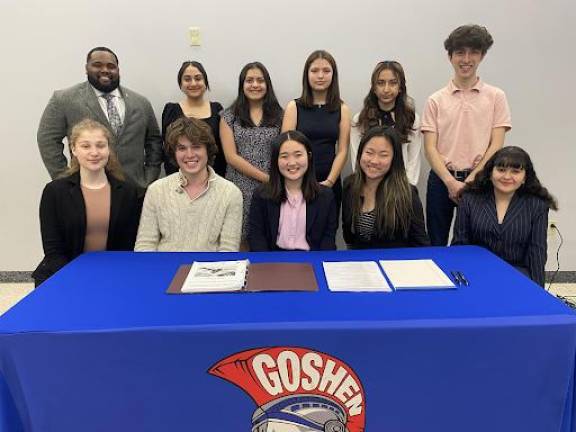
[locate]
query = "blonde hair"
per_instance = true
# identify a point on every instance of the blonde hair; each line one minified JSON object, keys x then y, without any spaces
{"x":112,"y":167}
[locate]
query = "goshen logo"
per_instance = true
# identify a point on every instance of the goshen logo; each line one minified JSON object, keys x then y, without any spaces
{"x":297,"y":389}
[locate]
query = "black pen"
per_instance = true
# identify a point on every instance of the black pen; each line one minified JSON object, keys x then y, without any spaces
{"x":463,"y":279}
{"x":456,"y":278}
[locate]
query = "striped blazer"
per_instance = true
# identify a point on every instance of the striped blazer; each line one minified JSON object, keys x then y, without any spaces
{"x":521,"y":237}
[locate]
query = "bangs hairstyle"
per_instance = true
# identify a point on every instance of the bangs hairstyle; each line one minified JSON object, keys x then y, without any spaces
{"x":112,"y":167}
{"x":393,"y":211}
{"x":196,"y":131}
{"x":512,"y":157}
{"x":198,"y":66}
{"x":404,"y":113}
{"x":469,"y":36}
{"x":271,"y":109}
{"x":333,"y":101}
{"x":275,"y":188}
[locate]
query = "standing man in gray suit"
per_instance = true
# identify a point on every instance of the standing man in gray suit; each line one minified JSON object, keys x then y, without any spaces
{"x":128,"y":115}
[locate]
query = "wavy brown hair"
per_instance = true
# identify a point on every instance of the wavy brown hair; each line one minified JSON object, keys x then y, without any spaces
{"x":393,"y":211}
{"x":404,"y":113}
{"x":197,"y":132}
{"x":512,"y":157}
{"x":112,"y":167}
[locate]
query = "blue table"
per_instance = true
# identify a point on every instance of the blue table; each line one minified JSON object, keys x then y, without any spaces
{"x":101,"y":347}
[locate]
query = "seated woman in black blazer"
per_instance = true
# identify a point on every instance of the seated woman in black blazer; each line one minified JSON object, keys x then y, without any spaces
{"x":505,"y":209}
{"x":90,"y":207}
{"x":292,"y":211}
{"x":380,"y":209}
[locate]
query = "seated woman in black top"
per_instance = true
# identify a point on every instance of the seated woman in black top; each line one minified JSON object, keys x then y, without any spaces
{"x":505,"y":209}
{"x":292,"y":211}
{"x":193,"y":82}
{"x":91,"y":207}
{"x":380,"y":208}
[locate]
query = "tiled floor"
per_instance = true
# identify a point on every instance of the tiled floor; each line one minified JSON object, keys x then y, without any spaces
{"x":12,"y":293}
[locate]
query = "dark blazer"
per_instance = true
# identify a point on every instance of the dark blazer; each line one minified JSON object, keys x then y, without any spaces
{"x":416,"y":234}
{"x":520,"y":239}
{"x":63,"y":221}
{"x":138,"y":144}
{"x":321,"y":222}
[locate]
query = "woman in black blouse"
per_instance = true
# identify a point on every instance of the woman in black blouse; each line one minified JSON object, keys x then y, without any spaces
{"x":193,"y":81}
{"x":380,"y":208}
{"x":505,"y":209}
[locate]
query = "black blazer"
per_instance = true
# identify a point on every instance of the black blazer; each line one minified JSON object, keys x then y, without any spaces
{"x":63,"y":221}
{"x":521,"y":237}
{"x":321,"y":222}
{"x":416,"y":234}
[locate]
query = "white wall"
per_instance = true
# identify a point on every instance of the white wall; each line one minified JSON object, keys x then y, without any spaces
{"x":44,"y":44}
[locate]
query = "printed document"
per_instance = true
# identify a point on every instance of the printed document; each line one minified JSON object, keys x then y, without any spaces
{"x":416,"y":274}
{"x":355,"y":276}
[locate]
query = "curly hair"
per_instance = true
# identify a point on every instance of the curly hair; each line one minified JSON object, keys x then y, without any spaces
{"x":469,"y":36}
{"x":512,"y":157}
{"x":404,"y":114}
{"x":196,"y":131}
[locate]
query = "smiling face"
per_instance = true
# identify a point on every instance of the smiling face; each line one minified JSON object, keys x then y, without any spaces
{"x":193,"y":84}
{"x":465,"y":62}
{"x":102,"y":71}
{"x":293,"y":161}
{"x":507,"y":180}
{"x":376,"y":158}
{"x":191,"y":158}
{"x":91,"y":149}
{"x":320,"y":75}
{"x":254,"y":85}
{"x":386,"y":88}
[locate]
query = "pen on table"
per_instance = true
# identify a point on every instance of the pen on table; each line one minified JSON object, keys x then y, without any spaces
{"x":463,"y":279}
{"x":457,"y":280}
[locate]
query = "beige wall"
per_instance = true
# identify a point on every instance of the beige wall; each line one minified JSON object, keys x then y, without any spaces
{"x":44,"y":45}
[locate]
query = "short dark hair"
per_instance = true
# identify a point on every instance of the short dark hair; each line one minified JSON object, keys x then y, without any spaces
{"x":101,"y":49}
{"x":469,"y":36}
{"x":197,"y":131}
{"x":275,"y":189}
{"x":198,"y":66}
{"x":271,"y":109}
{"x":512,"y":157}
{"x":333,"y":101}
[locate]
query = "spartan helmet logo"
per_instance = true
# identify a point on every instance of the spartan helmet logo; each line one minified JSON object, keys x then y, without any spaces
{"x":297,"y":390}
{"x":305,"y":413}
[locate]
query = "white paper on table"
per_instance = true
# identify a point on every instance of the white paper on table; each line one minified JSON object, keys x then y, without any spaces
{"x":415,"y":274}
{"x":216,"y":276}
{"x":355,"y":276}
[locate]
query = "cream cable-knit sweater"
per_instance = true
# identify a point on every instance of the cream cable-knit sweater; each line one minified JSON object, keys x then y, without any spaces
{"x":171,"y":221}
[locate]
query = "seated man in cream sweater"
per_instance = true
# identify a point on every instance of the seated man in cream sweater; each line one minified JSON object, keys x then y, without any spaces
{"x":193,"y":209}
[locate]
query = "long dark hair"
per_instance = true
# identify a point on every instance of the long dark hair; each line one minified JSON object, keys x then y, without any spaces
{"x":333,"y":101}
{"x":271,"y":109}
{"x":275,"y":189}
{"x":393,"y":211}
{"x":512,"y":157}
{"x":404,"y":114}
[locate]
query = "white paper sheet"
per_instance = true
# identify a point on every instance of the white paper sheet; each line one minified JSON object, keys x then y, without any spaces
{"x":355,"y":276}
{"x":416,"y":274}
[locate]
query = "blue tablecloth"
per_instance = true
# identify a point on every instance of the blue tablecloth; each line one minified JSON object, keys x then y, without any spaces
{"x":102,"y":347}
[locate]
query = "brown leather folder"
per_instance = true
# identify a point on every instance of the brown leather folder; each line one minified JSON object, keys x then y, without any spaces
{"x":263,"y":277}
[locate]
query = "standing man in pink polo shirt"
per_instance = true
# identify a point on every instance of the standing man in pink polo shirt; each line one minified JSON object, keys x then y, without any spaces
{"x":463,"y":124}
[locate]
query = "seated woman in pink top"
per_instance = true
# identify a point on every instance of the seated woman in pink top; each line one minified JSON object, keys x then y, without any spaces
{"x":292,"y":211}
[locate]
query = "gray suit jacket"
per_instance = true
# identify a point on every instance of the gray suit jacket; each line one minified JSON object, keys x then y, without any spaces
{"x":138,"y":144}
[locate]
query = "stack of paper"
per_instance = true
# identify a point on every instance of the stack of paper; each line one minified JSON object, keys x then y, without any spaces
{"x":355,"y":276}
{"x":216,"y":276}
{"x":416,"y":274}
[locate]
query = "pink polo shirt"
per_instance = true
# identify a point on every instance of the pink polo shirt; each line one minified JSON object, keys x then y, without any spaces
{"x":463,"y":120}
{"x":292,"y":223}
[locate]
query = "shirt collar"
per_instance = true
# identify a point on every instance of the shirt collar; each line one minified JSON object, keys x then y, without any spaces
{"x":182,"y":181}
{"x":116,"y":92}
{"x":477,"y":87}
{"x":294,"y":199}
